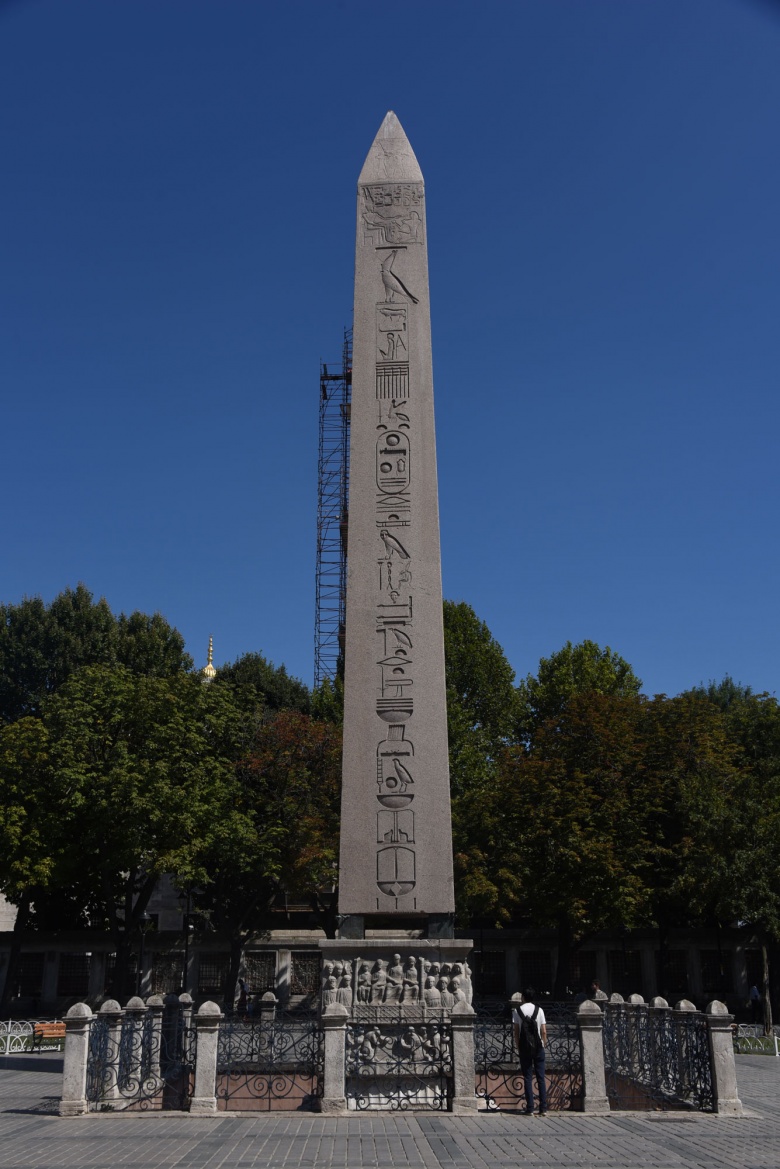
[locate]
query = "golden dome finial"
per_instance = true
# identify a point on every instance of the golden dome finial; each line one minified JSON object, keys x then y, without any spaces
{"x":208,"y":670}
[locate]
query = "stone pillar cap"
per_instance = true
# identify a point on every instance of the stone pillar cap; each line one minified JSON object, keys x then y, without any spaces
{"x":80,"y":1011}
{"x":589,"y":1007}
{"x":209,"y":1010}
{"x":109,"y":1007}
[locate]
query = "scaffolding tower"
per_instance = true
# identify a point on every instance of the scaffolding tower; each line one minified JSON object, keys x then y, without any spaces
{"x":332,"y":510}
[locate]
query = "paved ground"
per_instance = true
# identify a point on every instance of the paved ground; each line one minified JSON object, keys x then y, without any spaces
{"x":33,"y":1137}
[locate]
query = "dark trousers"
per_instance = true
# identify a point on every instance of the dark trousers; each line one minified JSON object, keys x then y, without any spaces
{"x":530,"y":1064}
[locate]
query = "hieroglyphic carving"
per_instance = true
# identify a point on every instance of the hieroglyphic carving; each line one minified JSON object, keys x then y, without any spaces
{"x":392,"y":381}
{"x":392,"y":213}
{"x":393,"y":470}
{"x":396,"y":870}
{"x":395,"y":827}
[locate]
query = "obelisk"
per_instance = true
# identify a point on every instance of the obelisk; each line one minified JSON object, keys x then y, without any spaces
{"x":396,"y":835}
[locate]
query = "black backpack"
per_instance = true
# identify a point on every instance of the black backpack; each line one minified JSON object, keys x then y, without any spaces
{"x":530,"y":1043}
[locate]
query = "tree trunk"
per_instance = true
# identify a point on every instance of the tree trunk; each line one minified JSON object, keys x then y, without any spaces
{"x":766,"y":989}
{"x":20,"y":925}
{"x":231,"y":978}
{"x":563,"y":969}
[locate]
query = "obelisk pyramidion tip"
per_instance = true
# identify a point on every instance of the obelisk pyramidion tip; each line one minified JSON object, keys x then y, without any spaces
{"x":390,"y":157}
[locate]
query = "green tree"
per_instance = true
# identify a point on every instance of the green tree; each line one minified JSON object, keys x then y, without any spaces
{"x":573,"y":812}
{"x":481,"y":718}
{"x":575,"y":669}
{"x":42,"y":646}
{"x":284,"y":839}
{"x":261,"y":686}
{"x":122,"y":780}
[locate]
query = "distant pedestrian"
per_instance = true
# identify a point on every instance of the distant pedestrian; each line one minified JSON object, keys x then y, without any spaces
{"x":243,"y":997}
{"x":755,"y":1004}
{"x":530,"y":1030}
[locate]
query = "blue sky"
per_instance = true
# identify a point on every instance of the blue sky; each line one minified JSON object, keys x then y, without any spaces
{"x":602,"y":176}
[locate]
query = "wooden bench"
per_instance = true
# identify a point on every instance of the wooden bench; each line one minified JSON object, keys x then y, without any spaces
{"x":51,"y":1032}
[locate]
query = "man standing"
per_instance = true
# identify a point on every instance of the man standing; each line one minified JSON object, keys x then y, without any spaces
{"x":530,"y":1028}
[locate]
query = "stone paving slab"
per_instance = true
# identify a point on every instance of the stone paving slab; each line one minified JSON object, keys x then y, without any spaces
{"x":32,"y":1136}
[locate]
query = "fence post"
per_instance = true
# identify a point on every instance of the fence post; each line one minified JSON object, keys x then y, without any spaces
{"x":594,"y":1084}
{"x":74,"y":1073}
{"x":156,"y":1005}
{"x":112,"y":1013}
{"x":268,"y":1004}
{"x":204,"y":1097}
{"x":724,"y":1070}
{"x":334,"y":1025}
{"x":464,"y":1097}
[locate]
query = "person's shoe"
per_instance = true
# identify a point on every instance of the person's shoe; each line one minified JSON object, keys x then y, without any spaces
{"x":529,"y":1111}
{"x":542,"y":1111}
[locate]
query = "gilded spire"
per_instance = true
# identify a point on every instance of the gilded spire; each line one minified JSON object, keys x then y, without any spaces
{"x":208,"y":671}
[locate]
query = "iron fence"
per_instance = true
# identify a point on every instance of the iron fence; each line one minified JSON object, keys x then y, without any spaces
{"x":270,"y":1065}
{"x":657,"y":1059}
{"x":398,"y":1066}
{"x":499,"y":1081}
{"x":141,"y":1060}
{"x":751,"y":1039}
{"x":18,"y":1036}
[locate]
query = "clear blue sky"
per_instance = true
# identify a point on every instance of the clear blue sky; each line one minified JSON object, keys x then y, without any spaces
{"x":603,"y":178}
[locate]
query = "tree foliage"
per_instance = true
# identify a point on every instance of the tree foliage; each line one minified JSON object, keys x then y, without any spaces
{"x":42,"y":646}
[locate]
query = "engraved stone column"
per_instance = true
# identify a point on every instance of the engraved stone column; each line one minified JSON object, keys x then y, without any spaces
{"x":112,"y":1013}
{"x":334,"y":1026}
{"x":464,"y":1098}
{"x":594,"y":1085}
{"x":74,"y":1073}
{"x":724,"y":1071}
{"x":204,"y":1097}
{"x":396,"y":836}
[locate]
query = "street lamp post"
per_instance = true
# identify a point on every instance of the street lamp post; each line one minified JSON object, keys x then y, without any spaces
{"x":184,"y":898}
{"x":145,"y":921}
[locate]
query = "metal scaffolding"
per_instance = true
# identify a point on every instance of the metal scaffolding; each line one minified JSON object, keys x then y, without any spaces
{"x":332,"y":509}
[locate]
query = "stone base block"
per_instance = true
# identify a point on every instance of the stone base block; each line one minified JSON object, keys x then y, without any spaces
{"x":203,"y":1106}
{"x":596,"y":1104}
{"x":73,"y":1107}
{"x":333,"y":1106}
{"x":729,"y":1108}
{"x":464,"y":1104}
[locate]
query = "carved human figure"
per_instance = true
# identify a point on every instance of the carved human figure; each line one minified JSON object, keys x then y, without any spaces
{"x":431,"y":994}
{"x":395,"y":981}
{"x":378,"y":982}
{"x":447,"y":1000}
{"x":457,"y":991}
{"x":364,"y":983}
{"x":345,"y":990}
{"x":330,"y":993}
{"x":369,"y":1044}
{"x":411,"y":991}
{"x":412,"y":1045}
{"x":467,"y":983}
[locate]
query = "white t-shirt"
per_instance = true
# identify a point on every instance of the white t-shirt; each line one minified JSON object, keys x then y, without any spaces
{"x":528,"y":1009}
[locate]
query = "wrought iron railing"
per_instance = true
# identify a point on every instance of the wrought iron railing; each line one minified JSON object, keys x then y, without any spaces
{"x":18,"y":1036}
{"x":751,"y":1039}
{"x":656,"y":1058}
{"x":273,"y":1064}
{"x":398,"y":1066}
{"x":141,"y":1060}
{"x":499,"y":1081}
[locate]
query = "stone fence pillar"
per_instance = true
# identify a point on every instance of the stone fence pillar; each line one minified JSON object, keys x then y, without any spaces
{"x":334,"y":1025}
{"x":156,"y":1005}
{"x":204,"y":1097}
{"x":74,"y":1073}
{"x":110,"y":1016}
{"x":267,"y":1007}
{"x":724,"y":1071}
{"x":594,"y":1084}
{"x":464,"y":1097}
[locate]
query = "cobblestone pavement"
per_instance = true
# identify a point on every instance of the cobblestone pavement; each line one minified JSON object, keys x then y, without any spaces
{"x":33,"y":1137}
